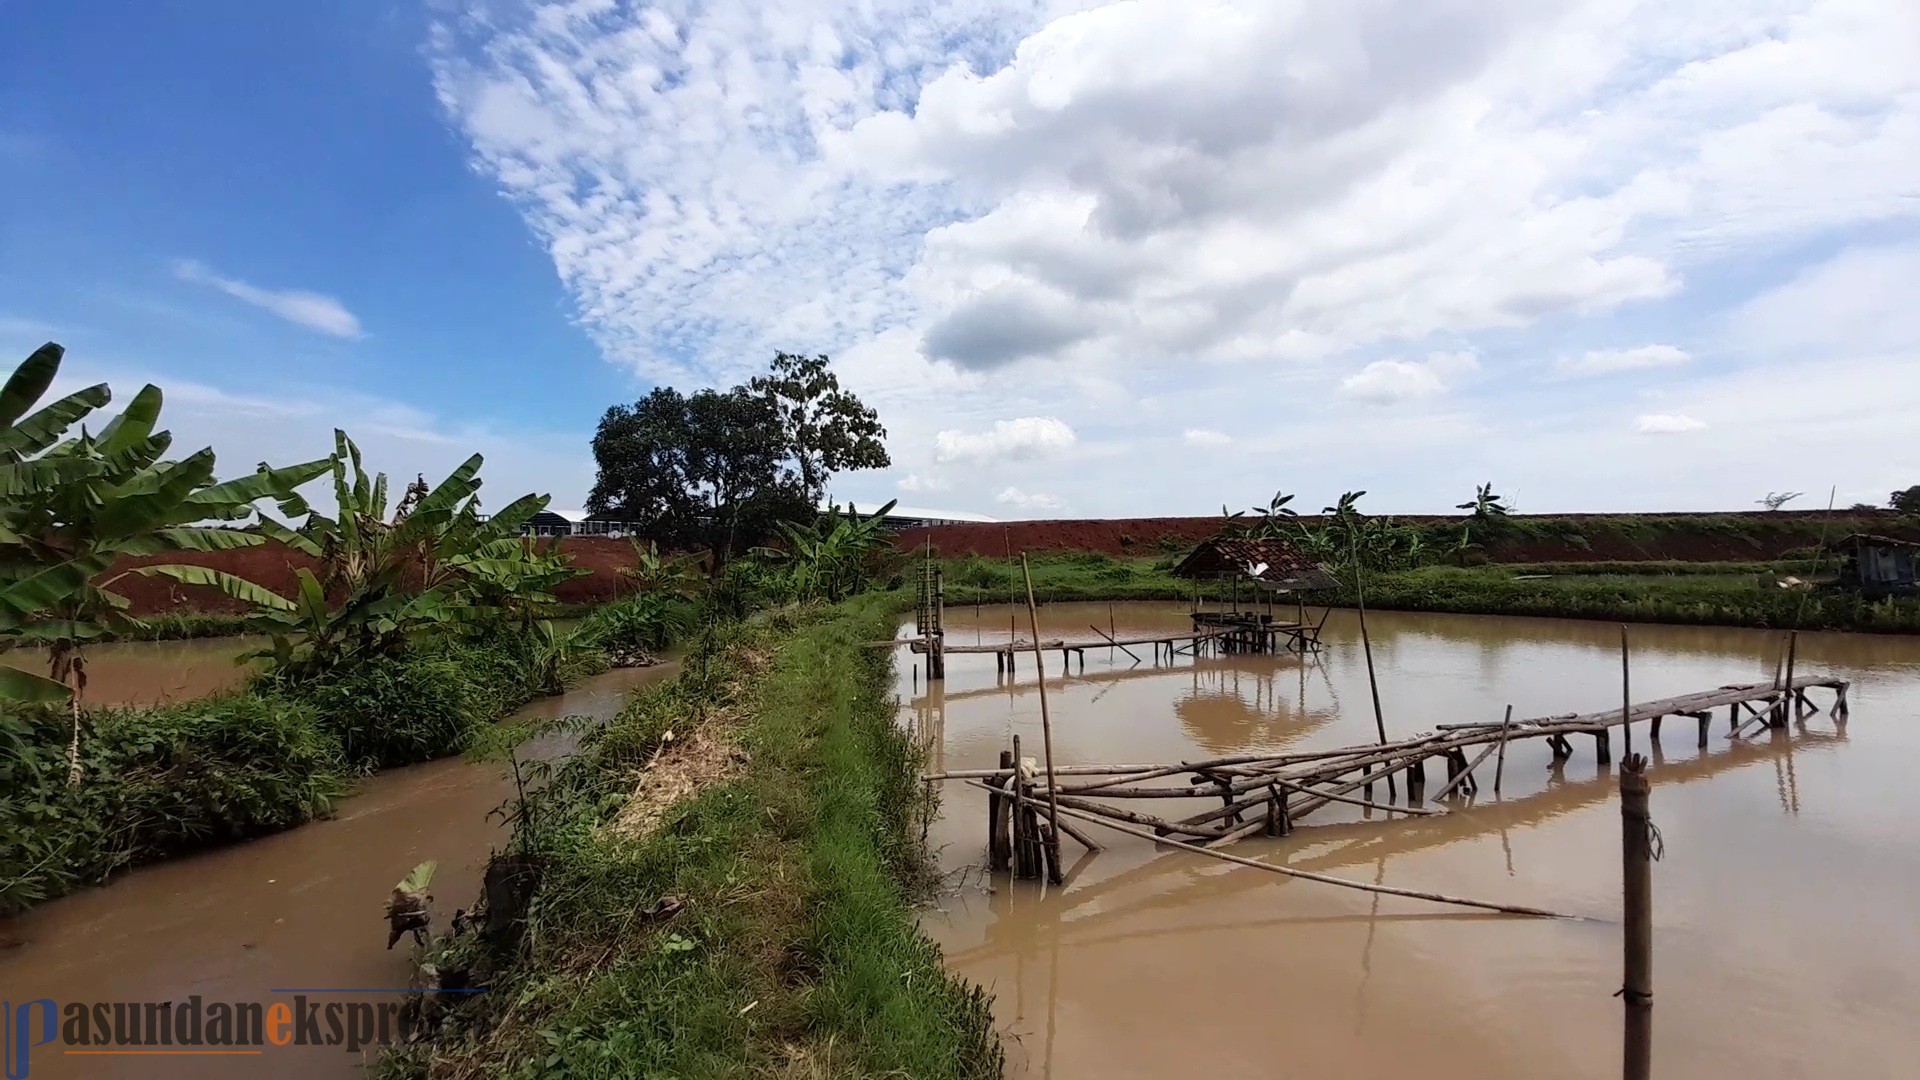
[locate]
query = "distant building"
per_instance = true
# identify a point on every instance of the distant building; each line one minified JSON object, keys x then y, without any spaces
{"x":913,"y":517}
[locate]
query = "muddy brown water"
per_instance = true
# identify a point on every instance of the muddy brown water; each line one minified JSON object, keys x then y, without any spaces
{"x":297,"y":910}
{"x":1786,"y":908}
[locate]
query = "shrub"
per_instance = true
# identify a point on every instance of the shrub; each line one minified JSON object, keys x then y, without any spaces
{"x":159,"y":781}
{"x":647,"y":621}
{"x":399,"y":710}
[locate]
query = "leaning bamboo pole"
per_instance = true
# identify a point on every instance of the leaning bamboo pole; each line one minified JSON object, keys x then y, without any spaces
{"x":1046,"y":719}
{"x":1366,"y":646}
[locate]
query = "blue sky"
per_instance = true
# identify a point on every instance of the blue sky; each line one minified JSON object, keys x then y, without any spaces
{"x":1087,"y":257}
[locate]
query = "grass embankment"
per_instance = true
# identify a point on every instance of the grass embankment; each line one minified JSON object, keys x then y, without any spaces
{"x":796,"y":952}
{"x":1706,"y":594}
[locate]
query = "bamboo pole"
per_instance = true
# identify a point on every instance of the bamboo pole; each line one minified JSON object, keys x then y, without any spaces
{"x":1500,"y":763}
{"x":1046,"y":720}
{"x":1366,"y":646}
{"x":1461,"y":776}
{"x":1786,"y":699}
{"x":1326,"y":879}
{"x":1112,"y":641}
{"x":1636,"y":988}
{"x":1626,"y":695}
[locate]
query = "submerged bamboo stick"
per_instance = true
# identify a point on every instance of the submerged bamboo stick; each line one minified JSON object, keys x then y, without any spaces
{"x":1327,"y":879}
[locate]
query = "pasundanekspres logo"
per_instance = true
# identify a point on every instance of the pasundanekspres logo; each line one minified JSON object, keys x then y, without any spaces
{"x":199,"y":1027}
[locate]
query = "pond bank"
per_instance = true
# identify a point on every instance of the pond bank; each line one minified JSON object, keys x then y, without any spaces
{"x":784,"y":941}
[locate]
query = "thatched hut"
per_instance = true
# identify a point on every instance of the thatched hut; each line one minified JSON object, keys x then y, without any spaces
{"x":1270,"y":564}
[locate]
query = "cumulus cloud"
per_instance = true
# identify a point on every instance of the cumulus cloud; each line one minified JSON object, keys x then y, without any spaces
{"x":1035,"y":501}
{"x":991,"y":208}
{"x":1385,"y":382}
{"x":915,"y":484}
{"x":1203,"y":437}
{"x":1610,"y":361}
{"x":312,"y":310}
{"x":1007,"y":440}
{"x":1667,"y":424}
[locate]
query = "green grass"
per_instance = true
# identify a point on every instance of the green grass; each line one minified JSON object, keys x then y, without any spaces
{"x":1710,"y":594}
{"x":797,"y":952}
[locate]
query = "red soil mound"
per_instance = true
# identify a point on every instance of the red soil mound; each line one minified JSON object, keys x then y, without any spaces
{"x":273,"y":566}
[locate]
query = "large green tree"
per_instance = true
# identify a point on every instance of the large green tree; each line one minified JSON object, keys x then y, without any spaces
{"x":826,"y":429}
{"x":1906,"y":502}
{"x":709,"y":471}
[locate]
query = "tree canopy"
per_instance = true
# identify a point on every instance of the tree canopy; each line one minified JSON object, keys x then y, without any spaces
{"x":1907,"y":502}
{"x":701,"y":471}
{"x":826,"y":429}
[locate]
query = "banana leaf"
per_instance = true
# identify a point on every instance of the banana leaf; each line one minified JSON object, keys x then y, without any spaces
{"x":18,"y":685}
{"x":43,"y":428}
{"x":133,"y":425}
{"x":420,"y":878}
{"x":28,"y":382}
{"x":237,"y":587}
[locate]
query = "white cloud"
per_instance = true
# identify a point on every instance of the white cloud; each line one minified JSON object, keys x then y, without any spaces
{"x":1007,"y":440}
{"x":915,"y":484}
{"x":1025,"y":501}
{"x":1204,"y":437}
{"x":1134,"y":217}
{"x":1385,"y":382}
{"x":1610,"y":361}
{"x":1667,"y":424}
{"x":309,"y":309}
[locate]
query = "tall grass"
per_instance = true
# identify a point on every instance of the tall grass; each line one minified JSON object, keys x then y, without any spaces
{"x":796,"y":952}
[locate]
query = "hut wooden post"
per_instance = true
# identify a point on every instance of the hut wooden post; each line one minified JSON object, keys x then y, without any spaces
{"x":1046,"y":720}
{"x":1636,"y":988}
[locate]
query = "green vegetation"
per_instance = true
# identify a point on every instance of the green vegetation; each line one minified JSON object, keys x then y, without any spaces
{"x":1713,"y":594}
{"x":718,"y":471}
{"x":155,"y":781}
{"x":421,"y":627}
{"x":758,"y":926}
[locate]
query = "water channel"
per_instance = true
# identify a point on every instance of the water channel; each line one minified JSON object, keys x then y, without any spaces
{"x":1787,"y":906}
{"x":296,"y":910}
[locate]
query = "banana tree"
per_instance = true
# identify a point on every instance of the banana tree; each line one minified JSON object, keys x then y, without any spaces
{"x":1486,"y":516}
{"x":74,"y":506}
{"x":382,"y":577}
{"x":676,"y":575}
{"x":829,"y":559}
{"x":512,"y":577}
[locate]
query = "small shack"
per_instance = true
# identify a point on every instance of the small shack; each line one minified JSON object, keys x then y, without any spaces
{"x":1270,"y":566}
{"x":1879,"y":565}
{"x":1274,"y":566}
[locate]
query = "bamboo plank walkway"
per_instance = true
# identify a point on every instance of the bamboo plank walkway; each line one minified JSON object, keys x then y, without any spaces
{"x":1269,"y":793}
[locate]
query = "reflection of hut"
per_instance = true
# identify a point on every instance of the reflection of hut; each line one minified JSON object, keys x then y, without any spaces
{"x":1878,"y":565}
{"x":1272,"y":565}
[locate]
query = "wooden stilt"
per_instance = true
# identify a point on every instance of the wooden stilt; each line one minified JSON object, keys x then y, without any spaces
{"x":1602,"y":746}
{"x":1636,"y":857}
{"x":999,"y":848}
